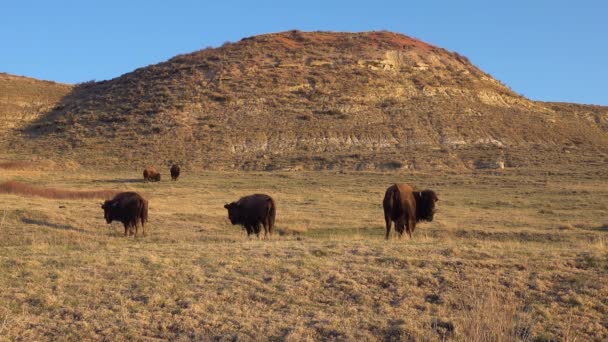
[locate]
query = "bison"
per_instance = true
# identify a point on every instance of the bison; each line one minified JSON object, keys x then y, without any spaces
{"x":174,"y":171}
{"x":253,"y":211}
{"x":128,"y":208}
{"x":151,"y":175}
{"x":406,"y":206}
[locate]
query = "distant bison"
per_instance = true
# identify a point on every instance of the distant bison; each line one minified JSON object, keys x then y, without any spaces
{"x":151,"y":175}
{"x":253,"y":211}
{"x":174,"y":171}
{"x":405,"y":207}
{"x":128,"y":208}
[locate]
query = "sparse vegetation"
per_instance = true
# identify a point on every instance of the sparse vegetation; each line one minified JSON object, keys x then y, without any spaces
{"x":490,"y":267}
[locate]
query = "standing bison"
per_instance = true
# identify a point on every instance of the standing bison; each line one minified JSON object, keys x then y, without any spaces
{"x":405,"y":207}
{"x":253,"y":211}
{"x":174,"y":171}
{"x":151,"y":175}
{"x":129,"y":208}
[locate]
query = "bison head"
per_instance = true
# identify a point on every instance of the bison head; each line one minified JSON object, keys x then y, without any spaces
{"x":234,"y":212}
{"x":108,"y":207}
{"x":425,"y":205}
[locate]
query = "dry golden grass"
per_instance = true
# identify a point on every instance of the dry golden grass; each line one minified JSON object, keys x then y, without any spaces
{"x":496,"y":265}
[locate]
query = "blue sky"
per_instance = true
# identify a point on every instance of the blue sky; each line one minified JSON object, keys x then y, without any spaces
{"x":545,"y":50}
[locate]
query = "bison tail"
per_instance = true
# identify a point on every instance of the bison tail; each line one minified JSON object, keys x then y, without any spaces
{"x":397,"y":201}
{"x":272,"y":212}
{"x":392,"y":201}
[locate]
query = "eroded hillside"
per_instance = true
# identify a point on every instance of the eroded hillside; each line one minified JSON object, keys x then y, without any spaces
{"x":310,"y":100}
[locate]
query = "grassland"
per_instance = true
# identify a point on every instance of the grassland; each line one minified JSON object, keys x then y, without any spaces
{"x":512,"y":255}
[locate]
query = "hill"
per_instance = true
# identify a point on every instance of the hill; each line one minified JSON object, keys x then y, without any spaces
{"x":25,"y":99}
{"x":312,"y":100}
{"x":597,"y":115}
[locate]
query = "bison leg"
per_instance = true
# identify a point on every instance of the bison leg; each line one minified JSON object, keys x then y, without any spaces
{"x":265,"y":224}
{"x":126,"y":229}
{"x":388,"y":226}
{"x":411,"y":225}
{"x":399,"y":228}
{"x":256,"y":228}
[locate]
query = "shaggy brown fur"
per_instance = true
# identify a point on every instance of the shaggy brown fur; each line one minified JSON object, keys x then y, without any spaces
{"x":251,"y":211}
{"x":175,"y":170}
{"x":151,"y":175}
{"x":406,"y":206}
{"x":129,"y":208}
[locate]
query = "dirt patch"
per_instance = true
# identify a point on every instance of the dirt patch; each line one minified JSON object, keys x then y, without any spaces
{"x":27,"y":165}
{"x":23,"y":189}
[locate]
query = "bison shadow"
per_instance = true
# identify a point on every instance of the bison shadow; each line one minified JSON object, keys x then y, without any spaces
{"x":602,"y":228}
{"x":54,"y":225}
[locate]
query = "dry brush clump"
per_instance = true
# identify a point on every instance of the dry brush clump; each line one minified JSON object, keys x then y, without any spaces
{"x":492,"y":314}
{"x":23,"y":189}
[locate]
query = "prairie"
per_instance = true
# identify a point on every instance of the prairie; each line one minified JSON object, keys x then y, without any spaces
{"x":516,"y":254}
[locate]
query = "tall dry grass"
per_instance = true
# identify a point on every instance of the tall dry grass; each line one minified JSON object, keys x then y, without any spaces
{"x":492,"y":314}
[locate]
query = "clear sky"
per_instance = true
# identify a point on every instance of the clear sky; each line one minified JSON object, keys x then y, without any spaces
{"x":545,"y":50}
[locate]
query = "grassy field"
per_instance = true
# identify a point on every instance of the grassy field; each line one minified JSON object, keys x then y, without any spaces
{"x":513,"y":255}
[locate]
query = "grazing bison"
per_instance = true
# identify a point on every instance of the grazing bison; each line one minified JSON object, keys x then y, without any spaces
{"x":174,"y":171}
{"x":251,"y":211}
{"x":405,"y":207}
{"x":151,"y":175}
{"x":128,"y":208}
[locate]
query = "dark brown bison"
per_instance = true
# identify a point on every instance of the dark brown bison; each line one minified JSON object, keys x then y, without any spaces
{"x":151,"y":175}
{"x":253,"y":211}
{"x":406,"y":206}
{"x":128,"y":208}
{"x":174,"y":171}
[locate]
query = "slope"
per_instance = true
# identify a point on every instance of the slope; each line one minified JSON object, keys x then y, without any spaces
{"x":24,"y":99}
{"x":311,"y":100}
